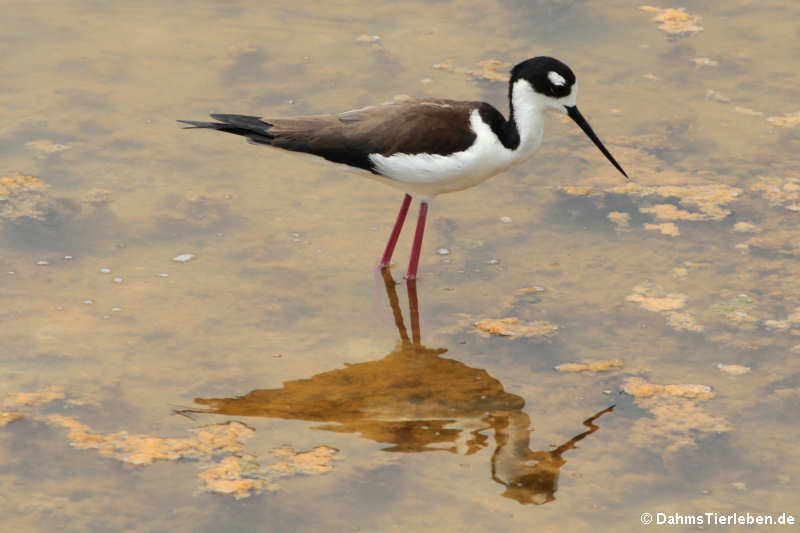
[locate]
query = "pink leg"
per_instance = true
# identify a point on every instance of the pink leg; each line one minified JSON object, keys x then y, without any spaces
{"x":386,"y":259}
{"x":417,"y":246}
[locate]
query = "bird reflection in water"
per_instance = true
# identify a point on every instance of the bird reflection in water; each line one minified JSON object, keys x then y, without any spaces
{"x":414,"y":400}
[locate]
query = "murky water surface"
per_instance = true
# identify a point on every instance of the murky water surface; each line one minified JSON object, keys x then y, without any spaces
{"x":273,"y":382}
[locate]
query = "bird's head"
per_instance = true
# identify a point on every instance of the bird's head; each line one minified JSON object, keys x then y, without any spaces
{"x":547,"y":83}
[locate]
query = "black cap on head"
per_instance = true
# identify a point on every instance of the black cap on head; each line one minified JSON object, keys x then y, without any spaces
{"x":547,"y":75}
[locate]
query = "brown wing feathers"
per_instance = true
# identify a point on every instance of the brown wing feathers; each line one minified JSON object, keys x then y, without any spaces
{"x":411,"y":127}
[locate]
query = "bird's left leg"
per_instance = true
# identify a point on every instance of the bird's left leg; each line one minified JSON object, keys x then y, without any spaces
{"x":417,"y":246}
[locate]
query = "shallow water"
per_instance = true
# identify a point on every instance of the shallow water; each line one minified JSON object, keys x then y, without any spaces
{"x":271,"y":383}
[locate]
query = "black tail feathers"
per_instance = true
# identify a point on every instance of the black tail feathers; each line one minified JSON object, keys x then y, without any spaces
{"x":251,"y":127}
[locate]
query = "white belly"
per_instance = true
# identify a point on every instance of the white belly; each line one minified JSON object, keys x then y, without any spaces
{"x":432,"y":174}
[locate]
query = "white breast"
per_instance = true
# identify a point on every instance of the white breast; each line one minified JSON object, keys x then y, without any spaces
{"x":432,"y":174}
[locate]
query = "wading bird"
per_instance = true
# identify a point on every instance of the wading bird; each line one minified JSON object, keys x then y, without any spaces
{"x":427,"y":146}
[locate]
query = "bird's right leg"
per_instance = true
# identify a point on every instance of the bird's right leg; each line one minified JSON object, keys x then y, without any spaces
{"x":386,"y":259}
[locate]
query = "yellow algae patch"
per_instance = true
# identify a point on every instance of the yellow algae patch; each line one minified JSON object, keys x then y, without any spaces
{"x":748,"y":111}
{"x":707,"y":199}
{"x":776,"y":325}
{"x":144,"y":449}
{"x":227,"y":468}
{"x":591,"y":366}
{"x":666,"y":228}
{"x":778,"y":191}
{"x":514,"y":327}
{"x":677,"y":420}
{"x":674,"y":424}
{"x":6,"y":417}
{"x":674,"y":21}
{"x":653,"y":298}
{"x":789,"y":120}
{"x":30,"y":399}
{"x":11,"y":185}
{"x":794,"y":317}
{"x":782,"y":241}
{"x":733,"y":370}
{"x":682,"y":321}
{"x":578,"y":190}
{"x":639,"y":388}
{"x":680,"y":272}
{"x":44,"y":146}
{"x":670,"y":212}
{"x":314,"y":461}
{"x":229,"y":476}
{"x":489,"y":69}
{"x":27,"y":197}
{"x":621,"y":220}
{"x":745,"y":227}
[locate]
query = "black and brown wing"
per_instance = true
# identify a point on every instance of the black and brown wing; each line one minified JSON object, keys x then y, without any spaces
{"x":410,"y":127}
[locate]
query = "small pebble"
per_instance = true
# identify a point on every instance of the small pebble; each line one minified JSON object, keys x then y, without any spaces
{"x":11,"y":272}
{"x":607,"y":391}
{"x":163,"y":275}
{"x":42,"y":263}
{"x":88,"y":302}
{"x":68,"y":257}
{"x":105,"y":270}
{"x":443,"y":251}
{"x":116,"y":309}
{"x":117,"y":280}
{"x":59,"y":308}
{"x":106,"y":317}
{"x":184,"y":258}
{"x":493,"y":262}
{"x":505,"y":220}
{"x":277,"y":355}
{"x":705,"y":492}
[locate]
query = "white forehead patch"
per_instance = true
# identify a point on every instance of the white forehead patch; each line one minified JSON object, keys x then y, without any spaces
{"x":556,"y":78}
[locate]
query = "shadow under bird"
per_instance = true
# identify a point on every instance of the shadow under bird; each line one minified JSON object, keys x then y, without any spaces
{"x":427,"y":146}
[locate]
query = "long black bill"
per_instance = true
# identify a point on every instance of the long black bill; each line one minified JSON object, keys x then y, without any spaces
{"x":575,"y":115}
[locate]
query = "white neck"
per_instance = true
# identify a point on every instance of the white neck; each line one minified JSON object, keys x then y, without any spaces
{"x":528,"y":108}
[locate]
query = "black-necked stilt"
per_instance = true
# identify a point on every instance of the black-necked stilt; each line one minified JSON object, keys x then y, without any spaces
{"x":428,"y":146}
